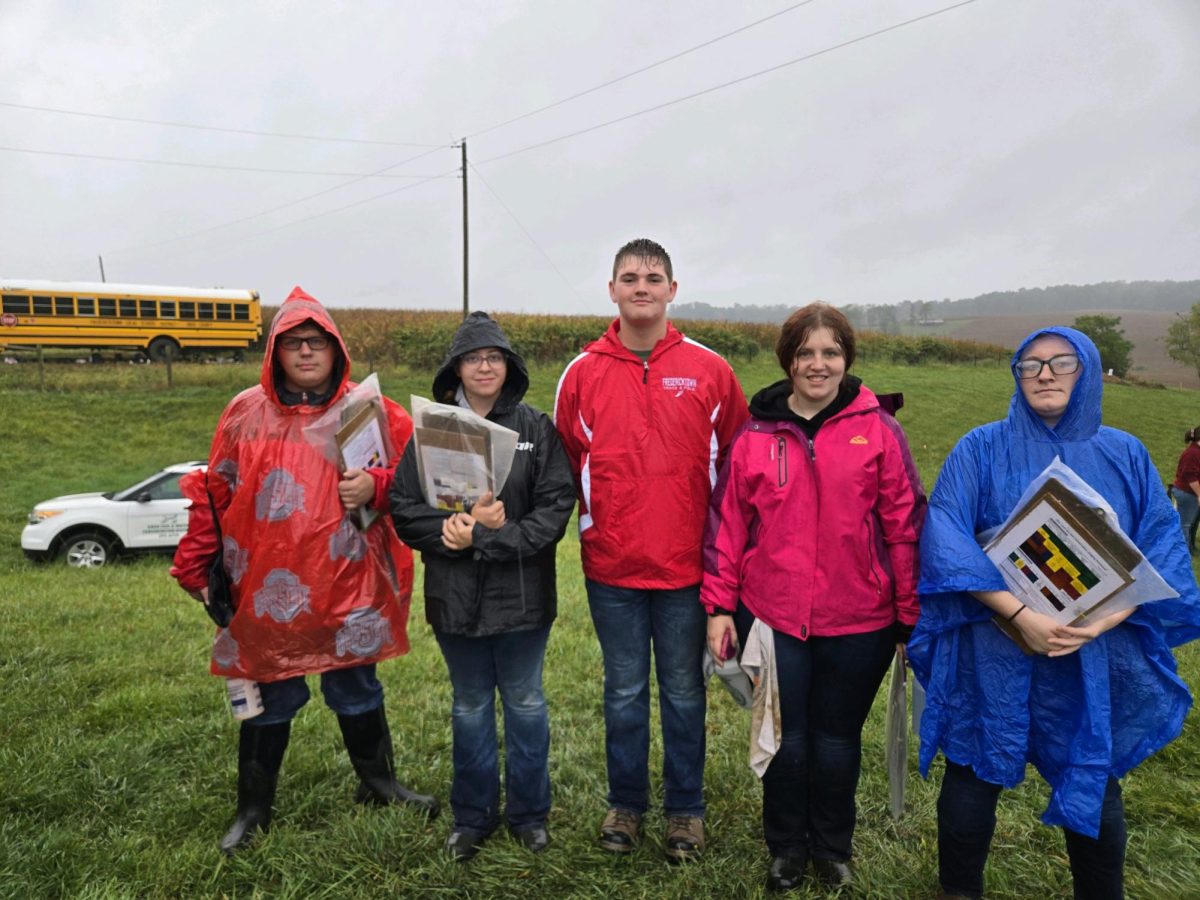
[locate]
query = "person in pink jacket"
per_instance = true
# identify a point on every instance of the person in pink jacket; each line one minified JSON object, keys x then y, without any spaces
{"x":812,"y":530}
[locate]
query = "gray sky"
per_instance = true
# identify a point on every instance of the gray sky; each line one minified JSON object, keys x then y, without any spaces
{"x":1003,"y":144}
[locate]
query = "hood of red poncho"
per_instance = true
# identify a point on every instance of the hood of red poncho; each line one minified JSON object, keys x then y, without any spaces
{"x":298,"y":308}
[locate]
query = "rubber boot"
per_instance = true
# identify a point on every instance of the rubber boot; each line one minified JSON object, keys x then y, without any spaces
{"x":369,"y":744}
{"x":260,"y":754}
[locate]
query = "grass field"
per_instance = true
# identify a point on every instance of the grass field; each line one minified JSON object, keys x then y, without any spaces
{"x":117,"y":758}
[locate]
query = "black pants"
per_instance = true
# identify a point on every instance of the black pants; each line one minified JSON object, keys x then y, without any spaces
{"x":967,"y":818}
{"x":826,"y":687}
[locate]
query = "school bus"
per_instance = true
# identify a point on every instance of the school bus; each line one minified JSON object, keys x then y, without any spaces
{"x":162,"y":322}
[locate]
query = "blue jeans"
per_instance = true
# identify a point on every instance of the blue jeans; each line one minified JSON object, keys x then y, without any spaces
{"x":479,"y":666}
{"x":826,"y":688}
{"x":347,"y":692}
{"x":967,"y":818}
{"x":628,"y":622}
{"x":1188,"y":505}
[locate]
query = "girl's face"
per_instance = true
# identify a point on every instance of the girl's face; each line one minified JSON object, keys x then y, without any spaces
{"x":817,"y":370}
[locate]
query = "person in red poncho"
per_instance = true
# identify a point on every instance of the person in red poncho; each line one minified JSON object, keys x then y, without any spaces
{"x":313,"y":593}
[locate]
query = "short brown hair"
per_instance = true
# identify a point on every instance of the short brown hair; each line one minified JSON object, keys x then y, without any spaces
{"x":646,"y":250}
{"x":805,"y":321}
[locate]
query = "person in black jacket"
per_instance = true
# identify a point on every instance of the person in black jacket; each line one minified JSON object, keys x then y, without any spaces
{"x":490,"y":592}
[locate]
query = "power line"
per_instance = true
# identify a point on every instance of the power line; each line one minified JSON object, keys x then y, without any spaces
{"x":718,"y":87}
{"x":653,"y":65}
{"x":379,"y":173}
{"x":296,"y":222}
{"x":532,"y":239}
{"x":195,"y":165}
{"x":290,"y":203}
{"x":277,"y":134}
{"x":540,"y":144}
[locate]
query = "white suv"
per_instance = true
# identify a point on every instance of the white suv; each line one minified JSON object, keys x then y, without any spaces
{"x":91,"y":528}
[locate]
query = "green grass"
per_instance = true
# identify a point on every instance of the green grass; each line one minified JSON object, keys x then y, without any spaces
{"x":117,"y":757}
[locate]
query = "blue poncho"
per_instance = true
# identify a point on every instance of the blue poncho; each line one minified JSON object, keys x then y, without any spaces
{"x":1079,"y":718}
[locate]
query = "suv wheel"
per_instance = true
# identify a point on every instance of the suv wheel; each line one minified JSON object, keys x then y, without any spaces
{"x":88,"y":550}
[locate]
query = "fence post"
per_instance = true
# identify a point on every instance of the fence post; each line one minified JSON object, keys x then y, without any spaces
{"x":41,"y":370}
{"x":170,"y":374}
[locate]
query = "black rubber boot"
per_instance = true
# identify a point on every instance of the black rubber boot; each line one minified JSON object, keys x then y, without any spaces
{"x":260,"y":754}
{"x":369,"y":744}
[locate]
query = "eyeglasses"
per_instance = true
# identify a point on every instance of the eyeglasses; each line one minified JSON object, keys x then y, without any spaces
{"x":1031,"y":366}
{"x":316,"y":342}
{"x":477,"y":359}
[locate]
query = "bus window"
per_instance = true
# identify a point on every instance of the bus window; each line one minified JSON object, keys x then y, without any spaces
{"x":128,"y":308}
{"x":17,"y":304}
{"x":108,"y":306}
{"x":241,"y":312}
{"x":166,"y":309}
{"x":64,"y":306}
{"x":187,"y":309}
{"x":87,"y":305}
{"x":147,"y":309}
{"x":224,"y":312}
{"x":205,"y":310}
{"x":41,"y":306}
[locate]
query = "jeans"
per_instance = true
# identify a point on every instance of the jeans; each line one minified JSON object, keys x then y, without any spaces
{"x":347,"y":692}
{"x":1188,"y":505}
{"x":967,"y":818}
{"x":826,"y":688}
{"x":628,"y":622}
{"x":512,"y":663}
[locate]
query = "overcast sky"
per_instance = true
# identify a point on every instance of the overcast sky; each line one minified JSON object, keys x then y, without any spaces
{"x":1001,"y":144}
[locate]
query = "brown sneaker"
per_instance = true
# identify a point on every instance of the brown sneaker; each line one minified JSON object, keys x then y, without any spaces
{"x":619,"y":832}
{"x":685,"y":838}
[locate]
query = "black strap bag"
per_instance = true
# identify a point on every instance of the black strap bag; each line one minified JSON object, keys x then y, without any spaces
{"x":220,"y":586}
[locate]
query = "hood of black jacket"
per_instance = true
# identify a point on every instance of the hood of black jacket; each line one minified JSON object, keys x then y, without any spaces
{"x":477,"y":331}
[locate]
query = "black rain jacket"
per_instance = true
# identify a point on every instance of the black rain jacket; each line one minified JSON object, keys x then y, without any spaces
{"x":506,"y":580}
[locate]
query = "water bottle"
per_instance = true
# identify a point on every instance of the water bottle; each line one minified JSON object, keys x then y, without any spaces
{"x":245,"y":699}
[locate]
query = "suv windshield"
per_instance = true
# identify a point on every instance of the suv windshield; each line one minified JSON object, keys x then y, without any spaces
{"x":160,"y":486}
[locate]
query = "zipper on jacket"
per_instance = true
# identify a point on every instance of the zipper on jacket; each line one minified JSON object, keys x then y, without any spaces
{"x":812,"y":449}
{"x":645,"y":371}
{"x":781,"y":473}
{"x":871,"y":559}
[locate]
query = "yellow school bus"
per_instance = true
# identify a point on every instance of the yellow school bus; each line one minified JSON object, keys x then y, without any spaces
{"x":162,"y":322}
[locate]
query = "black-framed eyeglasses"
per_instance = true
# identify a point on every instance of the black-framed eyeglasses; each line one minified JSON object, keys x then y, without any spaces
{"x":316,"y":342}
{"x":1031,"y":366}
{"x":478,"y":359}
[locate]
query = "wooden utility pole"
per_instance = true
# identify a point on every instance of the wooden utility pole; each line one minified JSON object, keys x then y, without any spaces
{"x":466,"y":257}
{"x":102,"y":278}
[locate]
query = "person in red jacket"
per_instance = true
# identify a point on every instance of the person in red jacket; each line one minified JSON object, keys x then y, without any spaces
{"x":313,"y":593}
{"x":645,"y":415}
{"x":813,"y":532}
{"x":1185,"y":489}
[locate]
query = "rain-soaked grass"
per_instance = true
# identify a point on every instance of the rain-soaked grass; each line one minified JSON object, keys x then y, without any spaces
{"x":117,"y":756}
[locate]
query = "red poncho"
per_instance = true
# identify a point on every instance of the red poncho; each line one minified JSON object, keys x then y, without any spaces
{"x":313,"y":593}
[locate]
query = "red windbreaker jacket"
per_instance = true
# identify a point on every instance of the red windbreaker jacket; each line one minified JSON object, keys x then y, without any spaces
{"x":821,"y":538}
{"x":645,"y":441}
{"x":313,"y":593}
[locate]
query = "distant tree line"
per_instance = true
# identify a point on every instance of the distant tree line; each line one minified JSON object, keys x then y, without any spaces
{"x":1156,"y":296}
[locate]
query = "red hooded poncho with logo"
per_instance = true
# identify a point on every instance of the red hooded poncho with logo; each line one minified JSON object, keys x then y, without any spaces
{"x":313,"y":593}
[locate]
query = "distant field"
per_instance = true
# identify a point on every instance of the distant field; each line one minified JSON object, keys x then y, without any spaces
{"x":1145,"y":329}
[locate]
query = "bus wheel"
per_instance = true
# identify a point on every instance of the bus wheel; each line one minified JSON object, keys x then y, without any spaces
{"x":88,"y":550}
{"x":163,"y":348}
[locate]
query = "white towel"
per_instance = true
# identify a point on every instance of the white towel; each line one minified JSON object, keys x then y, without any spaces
{"x":766,"y":729}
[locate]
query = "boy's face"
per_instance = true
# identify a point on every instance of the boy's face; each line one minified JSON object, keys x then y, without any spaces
{"x":641,"y":290}
{"x":306,"y":368}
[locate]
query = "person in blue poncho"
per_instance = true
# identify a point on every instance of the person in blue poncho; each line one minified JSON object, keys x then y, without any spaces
{"x":1091,"y":702}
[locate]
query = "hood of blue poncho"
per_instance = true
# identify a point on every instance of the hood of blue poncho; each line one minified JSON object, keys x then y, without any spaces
{"x":1082,"y":418}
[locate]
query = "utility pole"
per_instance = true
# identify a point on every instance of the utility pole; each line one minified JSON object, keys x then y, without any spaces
{"x":466,"y":277}
{"x":101,"y":258}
